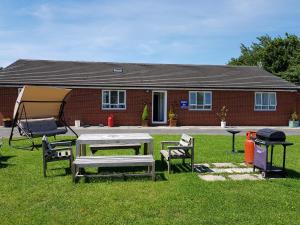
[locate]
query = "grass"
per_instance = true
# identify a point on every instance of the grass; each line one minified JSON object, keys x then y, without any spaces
{"x":26,"y":197}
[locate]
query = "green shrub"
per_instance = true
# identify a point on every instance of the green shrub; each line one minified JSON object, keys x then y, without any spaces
{"x":145,"y":114}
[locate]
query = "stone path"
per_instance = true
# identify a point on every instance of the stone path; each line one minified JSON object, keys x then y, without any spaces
{"x":226,"y":171}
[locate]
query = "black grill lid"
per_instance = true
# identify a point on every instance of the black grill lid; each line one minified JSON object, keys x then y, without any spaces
{"x":267,"y":134}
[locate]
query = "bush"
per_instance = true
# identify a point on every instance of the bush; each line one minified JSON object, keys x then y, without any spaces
{"x":145,"y":114}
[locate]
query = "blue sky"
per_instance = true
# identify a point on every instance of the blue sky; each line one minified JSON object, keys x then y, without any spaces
{"x":162,"y":31}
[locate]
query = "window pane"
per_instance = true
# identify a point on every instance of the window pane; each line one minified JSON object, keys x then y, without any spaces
{"x":105,"y":106}
{"x":192,"y":98}
{"x":265,"y":99}
{"x":207,"y":98}
{"x":258,"y":99}
{"x":192,"y":106}
{"x":207,"y":107}
{"x":272,"y":99}
{"x":105,"y":96}
{"x":114,"y":97}
{"x":200,"y":98}
{"x":121,"y":97}
{"x":272,"y":107}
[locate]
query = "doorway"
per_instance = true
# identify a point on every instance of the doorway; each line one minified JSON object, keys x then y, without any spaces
{"x":159,"y":107}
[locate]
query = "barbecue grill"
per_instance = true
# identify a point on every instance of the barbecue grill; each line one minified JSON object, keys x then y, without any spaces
{"x":266,"y":138}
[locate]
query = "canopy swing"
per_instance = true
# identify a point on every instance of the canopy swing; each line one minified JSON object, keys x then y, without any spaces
{"x":37,"y":111}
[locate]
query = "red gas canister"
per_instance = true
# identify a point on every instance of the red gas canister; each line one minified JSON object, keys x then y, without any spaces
{"x":110,"y":121}
{"x":249,"y":147}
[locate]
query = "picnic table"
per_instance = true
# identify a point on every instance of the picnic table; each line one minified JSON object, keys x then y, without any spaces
{"x":82,"y":161}
{"x":112,"y":139}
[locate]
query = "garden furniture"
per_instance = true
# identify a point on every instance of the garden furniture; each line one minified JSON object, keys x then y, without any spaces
{"x":183,"y":149}
{"x":82,"y":161}
{"x":233,"y":132}
{"x":34,"y":113}
{"x":56,"y":151}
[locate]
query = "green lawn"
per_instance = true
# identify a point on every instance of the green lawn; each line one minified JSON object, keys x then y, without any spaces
{"x":26,"y":197}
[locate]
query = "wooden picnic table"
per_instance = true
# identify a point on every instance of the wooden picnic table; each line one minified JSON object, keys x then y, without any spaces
{"x":82,"y":161}
{"x":126,"y":138}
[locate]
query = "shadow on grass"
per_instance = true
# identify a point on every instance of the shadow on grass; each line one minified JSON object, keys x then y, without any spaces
{"x":3,"y":161}
{"x":292,"y":174}
{"x":53,"y":172}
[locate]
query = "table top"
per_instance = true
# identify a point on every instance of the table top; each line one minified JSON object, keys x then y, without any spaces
{"x":119,"y":137}
{"x":233,"y":131}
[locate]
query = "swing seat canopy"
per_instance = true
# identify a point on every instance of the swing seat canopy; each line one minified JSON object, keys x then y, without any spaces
{"x":40,"y":102}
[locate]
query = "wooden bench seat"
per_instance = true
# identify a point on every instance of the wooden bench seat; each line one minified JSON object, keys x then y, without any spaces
{"x":96,"y":147}
{"x":113,"y":161}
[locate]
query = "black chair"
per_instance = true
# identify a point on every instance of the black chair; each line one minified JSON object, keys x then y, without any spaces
{"x":56,"y":151}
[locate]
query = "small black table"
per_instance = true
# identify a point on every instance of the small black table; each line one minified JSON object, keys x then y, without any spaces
{"x":233,"y":132}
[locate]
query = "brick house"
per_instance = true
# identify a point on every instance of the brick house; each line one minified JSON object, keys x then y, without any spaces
{"x":195,"y":92}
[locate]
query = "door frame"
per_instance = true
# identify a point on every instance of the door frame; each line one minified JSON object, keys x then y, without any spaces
{"x":165,"y":106}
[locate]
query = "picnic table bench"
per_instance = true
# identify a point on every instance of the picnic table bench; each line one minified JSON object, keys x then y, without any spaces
{"x":113,"y":161}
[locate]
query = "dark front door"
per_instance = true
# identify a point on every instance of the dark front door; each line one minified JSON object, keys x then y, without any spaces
{"x":159,"y":107}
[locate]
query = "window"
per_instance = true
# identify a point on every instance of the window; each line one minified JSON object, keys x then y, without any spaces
{"x":200,"y":100}
{"x":265,"y":101}
{"x":113,"y":99}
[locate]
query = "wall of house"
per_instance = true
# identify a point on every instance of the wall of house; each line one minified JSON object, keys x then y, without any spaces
{"x":85,"y":105}
{"x":8,"y":97}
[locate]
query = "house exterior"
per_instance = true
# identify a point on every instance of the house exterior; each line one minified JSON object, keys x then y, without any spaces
{"x":195,"y":92}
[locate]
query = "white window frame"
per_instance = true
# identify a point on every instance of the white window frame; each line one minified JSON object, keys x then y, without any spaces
{"x":261,"y":94}
{"x":204,"y":92}
{"x":165,"y":106}
{"x":102,"y":98}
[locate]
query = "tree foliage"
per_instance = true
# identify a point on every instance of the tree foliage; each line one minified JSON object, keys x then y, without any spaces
{"x":280,"y":56}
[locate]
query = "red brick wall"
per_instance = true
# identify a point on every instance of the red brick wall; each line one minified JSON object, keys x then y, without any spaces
{"x":85,"y":105}
{"x":241,"y":109}
{"x":8,"y":97}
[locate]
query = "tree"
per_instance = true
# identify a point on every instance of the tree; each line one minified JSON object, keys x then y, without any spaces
{"x":280,"y":56}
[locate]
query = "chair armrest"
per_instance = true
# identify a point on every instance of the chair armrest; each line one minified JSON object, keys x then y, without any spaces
{"x":179,"y":147}
{"x":163,"y":143}
{"x":62,"y":143}
{"x":60,"y":149}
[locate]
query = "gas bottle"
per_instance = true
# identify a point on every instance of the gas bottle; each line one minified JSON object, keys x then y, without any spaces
{"x":110,"y":121}
{"x":249,"y":147}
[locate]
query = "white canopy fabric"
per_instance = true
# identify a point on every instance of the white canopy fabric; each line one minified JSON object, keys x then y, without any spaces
{"x":40,"y":102}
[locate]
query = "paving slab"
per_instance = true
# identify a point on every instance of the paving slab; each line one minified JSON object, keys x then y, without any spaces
{"x":221,"y":170}
{"x":259,"y":176}
{"x":220,"y":165}
{"x":243,"y":177}
{"x":242,"y":170}
{"x":244,"y":164}
{"x":212,"y":177}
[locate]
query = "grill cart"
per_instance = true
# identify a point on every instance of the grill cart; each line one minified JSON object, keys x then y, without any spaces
{"x":266,"y":139}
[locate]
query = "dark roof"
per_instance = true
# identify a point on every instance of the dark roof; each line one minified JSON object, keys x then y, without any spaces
{"x":140,"y":75}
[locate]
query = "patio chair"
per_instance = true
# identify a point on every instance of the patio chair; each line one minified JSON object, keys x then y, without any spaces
{"x":56,"y":151}
{"x":183,"y":149}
